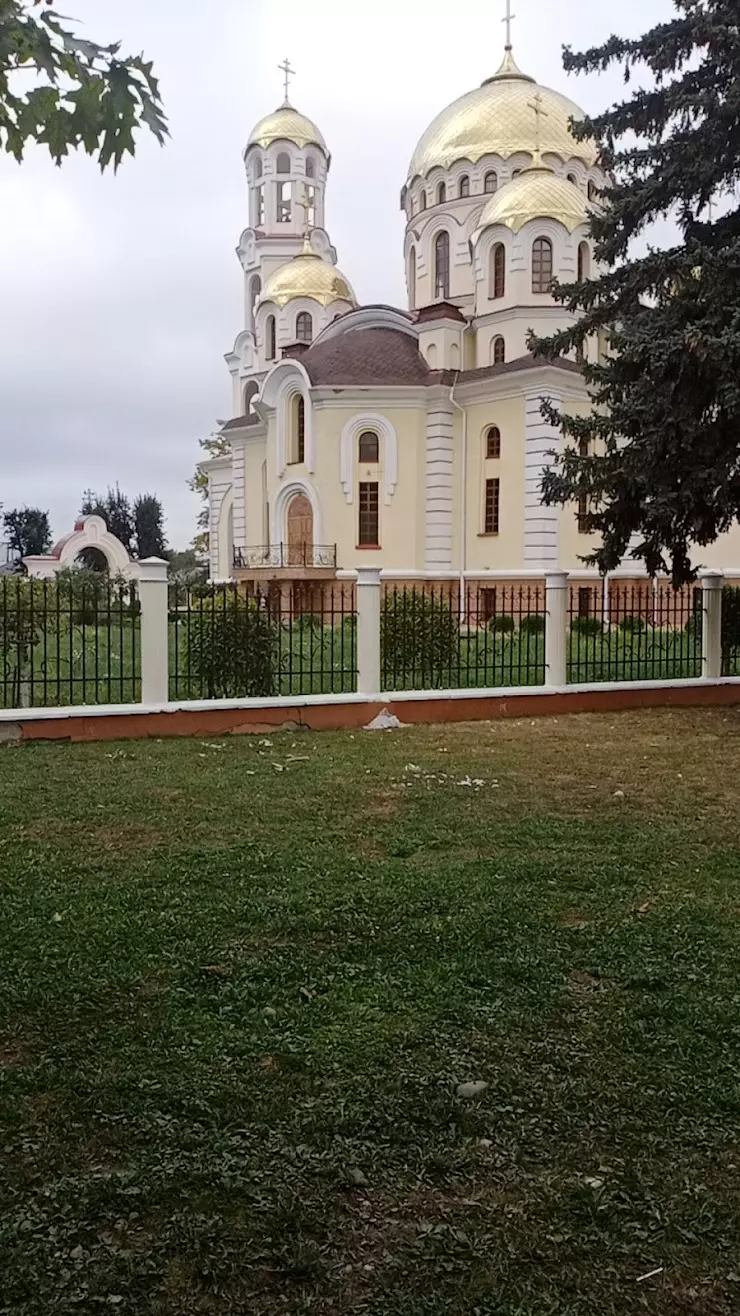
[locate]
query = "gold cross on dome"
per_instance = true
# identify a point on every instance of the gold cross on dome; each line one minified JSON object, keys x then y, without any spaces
{"x":508,"y":20}
{"x":289,"y":72}
{"x":537,"y":104}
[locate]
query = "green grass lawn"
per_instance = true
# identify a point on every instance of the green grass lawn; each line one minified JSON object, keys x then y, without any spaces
{"x":243,"y":979}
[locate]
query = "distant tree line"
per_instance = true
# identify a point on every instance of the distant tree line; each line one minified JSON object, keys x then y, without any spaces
{"x":139,"y":524}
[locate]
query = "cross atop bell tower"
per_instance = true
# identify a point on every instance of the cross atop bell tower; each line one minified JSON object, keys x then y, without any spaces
{"x":288,"y":71}
{"x":508,"y":19}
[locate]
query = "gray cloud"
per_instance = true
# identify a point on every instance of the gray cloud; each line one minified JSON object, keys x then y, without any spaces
{"x":121,"y":294}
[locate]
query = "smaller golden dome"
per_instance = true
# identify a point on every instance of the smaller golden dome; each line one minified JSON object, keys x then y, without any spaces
{"x":536,"y":194}
{"x":308,"y":275}
{"x":286,"y":125}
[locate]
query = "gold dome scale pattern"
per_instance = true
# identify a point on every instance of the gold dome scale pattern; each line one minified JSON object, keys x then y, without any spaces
{"x":286,"y":125}
{"x":309,"y":276}
{"x":536,"y":194}
{"x":498,"y":119}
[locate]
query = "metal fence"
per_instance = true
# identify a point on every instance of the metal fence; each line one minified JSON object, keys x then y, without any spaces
{"x":634,"y":633}
{"x":228,"y":644}
{"x":434,"y":639}
{"x":71,"y":641}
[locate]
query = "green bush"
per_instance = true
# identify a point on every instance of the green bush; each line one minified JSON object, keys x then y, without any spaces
{"x":502,"y":624}
{"x":632,"y":625}
{"x":587,"y":626}
{"x":232,"y":648}
{"x":419,"y":634}
{"x":87,"y":595}
{"x":310,"y":623}
{"x":534,"y":624}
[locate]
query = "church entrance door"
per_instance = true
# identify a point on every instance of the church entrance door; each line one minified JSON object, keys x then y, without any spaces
{"x":300,"y":532}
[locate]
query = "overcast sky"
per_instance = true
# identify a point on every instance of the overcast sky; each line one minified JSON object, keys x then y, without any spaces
{"x":119,"y":295}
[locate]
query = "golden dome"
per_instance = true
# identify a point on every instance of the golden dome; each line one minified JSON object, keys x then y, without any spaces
{"x":286,"y":125}
{"x":498,"y":119}
{"x":536,"y":194}
{"x":308,"y":275}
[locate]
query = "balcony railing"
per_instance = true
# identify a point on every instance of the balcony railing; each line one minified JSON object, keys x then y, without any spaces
{"x":282,"y":556}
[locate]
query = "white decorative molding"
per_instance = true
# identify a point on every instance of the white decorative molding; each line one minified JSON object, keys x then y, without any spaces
{"x":225,"y":539}
{"x":439,"y":484}
{"x":284,"y":381}
{"x":279,"y":512}
{"x":540,"y":522}
{"x":89,"y":532}
{"x":369,"y":420}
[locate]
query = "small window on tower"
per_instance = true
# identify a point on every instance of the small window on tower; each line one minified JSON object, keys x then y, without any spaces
{"x":584,"y":262}
{"x":310,"y":168}
{"x":257,"y":166}
{"x":285,"y":202}
{"x":270,"y":338}
{"x":572,"y":179}
{"x":304,"y":328}
{"x":369,"y":448}
{"x":441,"y":194}
{"x":412,"y":278}
{"x":310,"y":204}
{"x":423,"y":200}
{"x":593,"y":191}
{"x":498,"y":271}
{"x":442,"y":266}
{"x":493,"y":443}
{"x":542,"y":265}
{"x":464,"y":189}
{"x":498,"y":350}
{"x":283,"y":163}
{"x":259,"y":208}
{"x":490,"y":182}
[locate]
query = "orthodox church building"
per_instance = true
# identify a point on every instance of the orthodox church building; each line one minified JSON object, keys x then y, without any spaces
{"x":409,"y":439}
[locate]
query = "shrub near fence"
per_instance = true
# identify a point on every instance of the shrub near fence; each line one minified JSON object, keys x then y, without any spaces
{"x":616,"y":641}
{"x":226,"y":644}
{"x":72,"y":640}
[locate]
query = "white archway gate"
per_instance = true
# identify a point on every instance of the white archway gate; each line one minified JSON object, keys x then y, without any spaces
{"x":89,"y":532}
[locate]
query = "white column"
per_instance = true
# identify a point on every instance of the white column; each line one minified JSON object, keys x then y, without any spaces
{"x":154,"y":630}
{"x":368,"y":631}
{"x":540,"y":522}
{"x":712,"y":583}
{"x":556,"y":632}
{"x":439,"y":481}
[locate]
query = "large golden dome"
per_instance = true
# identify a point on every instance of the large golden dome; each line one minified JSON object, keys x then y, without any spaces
{"x":286,"y":125}
{"x":308,"y":275}
{"x":498,"y":119}
{"x":536,"y":194}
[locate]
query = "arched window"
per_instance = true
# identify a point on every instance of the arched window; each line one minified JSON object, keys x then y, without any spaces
{"x":423,"y":200}
{"x":283,"y":163}
{"x":310,"y":167}
{"x":250,"y":394}
{"x":412,"y":278}
{"x":593,"y":191}
{"x":297,"y":430}
{"x":257,"y":167}
{"x":270,"y":338}
{"x":464,"y":186}
{"x":441,"y":194}
{"x":584,"y":262}
{"x":442,"y":265}
{"x":498,"y":270}
{"x":255,"y":288}
{"x":498,"y":351}
{"x":304,"y":328}
{"x":515,"y":173}
{"x":490,"y":182}
{"x":542,"y":265}
{"x":285,"y":202}
{"x":259,"y":205}
{"x":368,"y":448}
{"x":572,"y":179}
{"x":493,"y":443}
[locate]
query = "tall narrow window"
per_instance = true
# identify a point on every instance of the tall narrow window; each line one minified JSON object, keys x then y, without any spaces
{"x":490,"y":182}
{"x":583,"y":499}
{"x":368,"y":448}
{"x":493,"y":443}
{"x":542,"y":265}
{"x":498,"y":270}
{"x":310,"y":206}
{"x":298,"y":429}
{"x":283,"y":163}
{"x":255,"y":288}
{"x":412,"y":278}
{"x":441,"y":194}
{"x":271,"y":338}
{"x":259,"y":205}
{"x":304,"y":328}
{"x":584,"y":262}
{"x":257,"y":167}
{"x":285,"y":202}
{"x":464,"y":186}
{"x":572,"y":179}
{"x":498,"y":350}
{"x":442,"y":265}
{"x":368,"y":519}
{"x":310,"y":167}
{"x":493,"y":492}
{"x":423,"y":200}
{"x":250,"y":394}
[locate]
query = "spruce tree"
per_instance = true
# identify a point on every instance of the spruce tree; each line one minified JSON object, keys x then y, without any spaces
{"x":662,"y":469}
{"x":149,"y":525}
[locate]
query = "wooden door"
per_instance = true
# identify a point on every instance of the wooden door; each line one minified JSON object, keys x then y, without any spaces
{"x":300,"y":532}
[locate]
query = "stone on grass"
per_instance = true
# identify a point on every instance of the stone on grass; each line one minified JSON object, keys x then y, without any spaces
{"x":469,"y":1091}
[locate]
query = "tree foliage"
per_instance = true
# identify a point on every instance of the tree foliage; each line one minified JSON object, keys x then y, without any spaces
{"x":215,"y":446}
{"x":115,"y":510}
{"x":149,"y":526}
{"x":662,"y":468}
{"x":81,"y":94}
{"x":29,"y":532}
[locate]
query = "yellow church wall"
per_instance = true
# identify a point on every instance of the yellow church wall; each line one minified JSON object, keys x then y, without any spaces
{"x":504,"y":551}
{"x":256,"y":531}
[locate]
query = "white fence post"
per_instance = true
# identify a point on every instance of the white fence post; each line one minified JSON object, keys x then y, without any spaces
{"x":712,"y":583}
{"x":368,"y":631}
{"x":154,"y":630}
{"x":556,"y":628}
